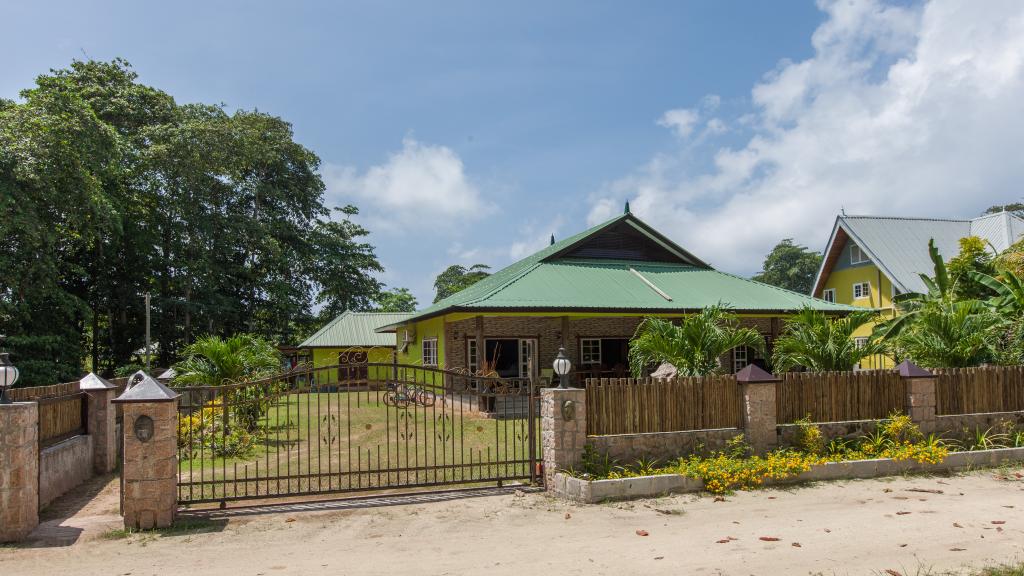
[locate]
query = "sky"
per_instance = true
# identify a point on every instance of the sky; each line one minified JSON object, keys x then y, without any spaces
{"x":469,"y":132}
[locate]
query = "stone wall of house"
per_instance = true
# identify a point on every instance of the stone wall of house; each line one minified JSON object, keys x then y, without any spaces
{"x":64,"y":466}
{"x":548,"y":332}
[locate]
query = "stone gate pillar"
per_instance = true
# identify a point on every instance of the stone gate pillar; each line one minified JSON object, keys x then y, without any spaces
{"x":102,"y":422}
{"x":921,"y":404}
{"x":563,"y":425}
{"x":19,"y":470}
{"x":760,"y":420}
{"x":150,"y":462}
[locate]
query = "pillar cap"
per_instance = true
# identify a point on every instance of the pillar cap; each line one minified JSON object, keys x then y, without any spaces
{"x":144,"y":388}
{"x":93,"y":382}
{"x":908,"y":369}
{"x":753,"y":373}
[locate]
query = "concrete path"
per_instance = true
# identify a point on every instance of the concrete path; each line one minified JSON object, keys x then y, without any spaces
{"x":917,"y":525}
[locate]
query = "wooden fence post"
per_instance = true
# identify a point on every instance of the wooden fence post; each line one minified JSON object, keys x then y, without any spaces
{"x":760,"y":421}
{"x":920,"y":399}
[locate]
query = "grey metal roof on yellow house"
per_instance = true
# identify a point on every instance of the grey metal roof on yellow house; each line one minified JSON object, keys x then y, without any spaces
{"x":899,"y":246}
{"x":622,"y":265}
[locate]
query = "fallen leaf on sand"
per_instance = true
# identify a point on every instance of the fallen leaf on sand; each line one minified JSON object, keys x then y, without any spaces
{"x":771,"y":497}
{"x":796,"y":545}
{"x":769,"y":538}
{"x":642,"y":533}
{"x":719,"y":499}
{"x":659,"y":557}
{"x":956,"y":525}
{"x":902,"y":513}
{"x":827,"y":530}
{"x":999,"y":521}
{"x":999,"y":529}
{"x":887,"y":490}
{"x":567,"y":515}
{"x":723,"y":541}
{"x":957,"y":549}
{"x":893,"y":573}
{"x":290,"y":520}
{"x":1007,"y":506}
{"x":928,"y":490}
{"x":903,"y":545}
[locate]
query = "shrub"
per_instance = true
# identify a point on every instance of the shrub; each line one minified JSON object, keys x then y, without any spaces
{"x":809,"y":438}
{"x":737,"y":447}
{"x":724,"y":473}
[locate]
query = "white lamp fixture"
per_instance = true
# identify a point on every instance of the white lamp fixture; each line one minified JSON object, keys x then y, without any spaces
{"x":8,"y":376}
{"x":562,"y":366}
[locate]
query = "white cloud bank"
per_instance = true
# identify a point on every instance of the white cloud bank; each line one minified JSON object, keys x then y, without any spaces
{"x":416,"y":184}
{"x":901,"y":111}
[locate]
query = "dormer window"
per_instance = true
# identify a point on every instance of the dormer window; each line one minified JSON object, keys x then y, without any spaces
{"x":857,"y":256}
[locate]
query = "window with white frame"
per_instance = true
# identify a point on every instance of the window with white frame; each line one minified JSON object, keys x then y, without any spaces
{"x":861,"y":290}
{"x":857,"y":256}
{"x":430,"y":351}
{"x":860,"y":342}
{"x":471,"y":360}
{"x":828,"y":294}
{"x":590,"y":351}
{"x":740,"y":358}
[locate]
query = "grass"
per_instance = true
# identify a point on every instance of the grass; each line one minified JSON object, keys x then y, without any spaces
{"x":180,"y":528}
{"x":340,"y":440}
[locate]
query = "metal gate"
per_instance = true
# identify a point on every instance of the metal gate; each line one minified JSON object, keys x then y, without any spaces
{"x":354,"y":427}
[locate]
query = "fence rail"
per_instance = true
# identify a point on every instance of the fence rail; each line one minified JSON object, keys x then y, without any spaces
{"x":634,"y":406}
{"x":36,"y":392}
{"x":839,"y":396}
{"x":977,"y":390}
{"x":62,"y":417}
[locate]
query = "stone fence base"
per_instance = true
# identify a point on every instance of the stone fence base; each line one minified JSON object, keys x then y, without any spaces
{"x":662,"y":446}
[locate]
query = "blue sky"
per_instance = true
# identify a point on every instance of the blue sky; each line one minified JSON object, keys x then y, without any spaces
{"x":468,"y":132}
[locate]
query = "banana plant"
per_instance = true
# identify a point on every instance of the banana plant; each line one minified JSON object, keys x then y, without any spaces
{"x":939,"y":289}
{"x":1009,"y":289}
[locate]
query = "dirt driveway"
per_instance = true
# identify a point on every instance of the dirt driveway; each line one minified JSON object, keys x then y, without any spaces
{"x":908,"y":525}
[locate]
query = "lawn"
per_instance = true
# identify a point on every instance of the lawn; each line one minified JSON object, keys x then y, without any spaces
{"x":342,"y":441}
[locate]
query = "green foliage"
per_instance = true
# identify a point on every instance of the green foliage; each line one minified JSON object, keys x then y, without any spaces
{"x":809,"y":438}
{"x":456,"y":278}
{"x":820,"y":343}
{"x":1012,"y":259}
{"x":213,"y":361}
{"x":693,"y":346}
{"x":974,"y":258}
{"x":950,"y":334}
{"x":396,"y":300}
{"x":790,"y":266}
{"x":737,"y":447}
{"x":110,"y":189}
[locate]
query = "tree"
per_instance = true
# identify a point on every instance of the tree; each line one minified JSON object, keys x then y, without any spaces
{"x":457,"y":277}
{"x":974,"y":258}
{"x":1015,"y":207}
{"x":693,"y":346}
{"x":820,"y":343}
{"x":790,"y":266}
{"x":939,"y":289}
{"x":950,"y":334}
{"x":396,"y":300}
{"x":1012,"y":259}
{"x":215,"y":361}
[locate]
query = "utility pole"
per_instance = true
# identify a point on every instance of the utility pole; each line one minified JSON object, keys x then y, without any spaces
{"x":147,"y":333}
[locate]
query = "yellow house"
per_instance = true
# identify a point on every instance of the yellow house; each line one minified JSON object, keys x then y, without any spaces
{"x":352,"y":339}
{"x":871,"y":259}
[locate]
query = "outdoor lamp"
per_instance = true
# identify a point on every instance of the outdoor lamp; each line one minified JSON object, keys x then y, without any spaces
{"x":562,"y":366}
{"x":8,"y":376}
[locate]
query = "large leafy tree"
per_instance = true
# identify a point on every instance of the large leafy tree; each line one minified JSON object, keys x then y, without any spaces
{"x":458,"y":277}
{"x":396,"y":300}
{"x":790,"y":266}
{"x":111,"y":189}
{"x":818,"y":342}
{"x":974,"y":258}
{"x":693,"y":346}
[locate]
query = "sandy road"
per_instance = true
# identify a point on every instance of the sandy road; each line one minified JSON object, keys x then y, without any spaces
{"x":855,"y":527}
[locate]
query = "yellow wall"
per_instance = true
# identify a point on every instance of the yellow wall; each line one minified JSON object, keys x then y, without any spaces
{"x":425,"y":329}
{"x":329,"y":357}
{"x":881,"y":297}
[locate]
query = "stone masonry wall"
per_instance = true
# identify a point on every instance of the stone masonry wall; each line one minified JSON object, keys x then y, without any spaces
{"x":19,"y":470}
{"x":150,"y":468}
{"x":562,"y":439}
{"x":662,"y":446}
{"x":64,"y":466}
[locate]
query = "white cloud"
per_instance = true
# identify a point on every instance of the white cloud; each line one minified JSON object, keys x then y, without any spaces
{"x":419,"y":182}
{"x":534,"y":237}
{"x":681,"y":120}
{"x":900,"y":111}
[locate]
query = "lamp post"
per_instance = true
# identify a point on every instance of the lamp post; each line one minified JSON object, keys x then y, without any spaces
{"x":8,"y":376}
{"x":562,"y":366}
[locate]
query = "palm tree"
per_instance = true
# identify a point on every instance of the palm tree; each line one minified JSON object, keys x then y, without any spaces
{"x":212,"y":361}
{"x":950,"y":334}
{"x":694,"y":346}
{"x":820,"y":343}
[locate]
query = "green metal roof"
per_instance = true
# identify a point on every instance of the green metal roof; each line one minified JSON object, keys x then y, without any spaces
{"x":545,"y":281}
{"x":355,"y":329}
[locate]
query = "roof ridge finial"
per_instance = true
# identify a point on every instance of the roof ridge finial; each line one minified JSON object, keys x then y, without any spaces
{"x":626,"y":211}
{"x":552,"y":239}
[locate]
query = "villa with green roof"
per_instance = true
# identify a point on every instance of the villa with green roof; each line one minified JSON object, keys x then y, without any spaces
{"x":352,"y":338}
{"x":587,"y":293}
